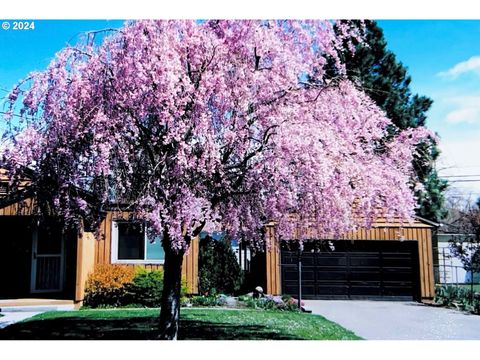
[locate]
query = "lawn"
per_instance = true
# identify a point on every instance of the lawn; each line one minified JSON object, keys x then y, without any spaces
{"x":195,"y":324}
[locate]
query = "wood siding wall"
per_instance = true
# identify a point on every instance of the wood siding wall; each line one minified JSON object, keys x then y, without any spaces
{"x":273,"y":263}
{"x":103,"y":253}
{"x":419,"y":232}
{"x":85,"y":262}
{"x":22,"y":208}
{"x":100,"y":251}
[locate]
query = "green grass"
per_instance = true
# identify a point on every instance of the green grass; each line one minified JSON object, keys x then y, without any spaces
{"x":195,"y":324}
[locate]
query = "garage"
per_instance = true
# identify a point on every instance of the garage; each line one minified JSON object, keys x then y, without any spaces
{"x":391,"y":260}
{"x":344,"y":269}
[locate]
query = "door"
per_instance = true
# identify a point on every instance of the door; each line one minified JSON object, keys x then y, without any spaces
{"x":47,"y":259}
{"x":359,"y":270}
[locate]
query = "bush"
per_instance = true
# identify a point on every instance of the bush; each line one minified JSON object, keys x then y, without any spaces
{"x":207,"y":300}
{"x":270,"y":302}
{"x":146,"y":288}
{"x":219,"y":270}
{"x":459,"y":297}
{"x":106,"y":286}
{"x":123,"y":286}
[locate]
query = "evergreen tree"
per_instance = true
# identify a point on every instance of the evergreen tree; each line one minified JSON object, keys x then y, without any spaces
{"x":219,"y":271}
{"x":387,"y":82}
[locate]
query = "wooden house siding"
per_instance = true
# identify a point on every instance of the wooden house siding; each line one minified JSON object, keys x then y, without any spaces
{"x":103,"y":254}
{"x":418,"y":231}
{"x":85,"y":262}
{"x":92,"y":251}
{"x":21,"y":208}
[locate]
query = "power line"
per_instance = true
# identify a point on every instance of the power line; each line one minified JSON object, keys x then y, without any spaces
{"x":454,"y":176}
{"x":455,"y":181}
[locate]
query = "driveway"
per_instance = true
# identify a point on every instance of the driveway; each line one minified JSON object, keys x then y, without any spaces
{"x":392,"y":320}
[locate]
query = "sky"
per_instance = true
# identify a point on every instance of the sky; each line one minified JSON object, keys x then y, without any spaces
{"x":442,"y":57}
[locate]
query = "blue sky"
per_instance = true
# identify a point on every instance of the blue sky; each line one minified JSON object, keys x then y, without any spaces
{"x":27,"y":50}
{"x":443,"y":58}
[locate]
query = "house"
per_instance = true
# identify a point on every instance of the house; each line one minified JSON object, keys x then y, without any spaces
{"x":448,"y":268}
{"x":40,"y":260}
{"x":391,"y":260}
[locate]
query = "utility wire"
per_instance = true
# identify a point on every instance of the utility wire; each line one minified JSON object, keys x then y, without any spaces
{"x":455,"y":176}
{"x":455,"y":181}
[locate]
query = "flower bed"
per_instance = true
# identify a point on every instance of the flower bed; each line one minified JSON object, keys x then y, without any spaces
{"x":271,"y":302}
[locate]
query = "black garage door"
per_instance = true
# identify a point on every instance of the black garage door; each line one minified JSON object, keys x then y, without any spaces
{"x":352,"y":270}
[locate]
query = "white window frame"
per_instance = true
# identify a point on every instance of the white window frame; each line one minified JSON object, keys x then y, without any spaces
{"x":114,"y":247}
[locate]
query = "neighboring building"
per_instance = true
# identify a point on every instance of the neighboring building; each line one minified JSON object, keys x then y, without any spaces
{"x":449,"y":268}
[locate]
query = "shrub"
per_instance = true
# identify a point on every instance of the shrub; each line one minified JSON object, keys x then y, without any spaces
{"x":205,"y":300}
{"x":106,"y":286}
{"x":270,"y":302}
{"x":184,"y":288}
{"x":459,"y":297}
{"x":119,"y":285}
{"x":146,"y":288}
{"x":219,"y":270}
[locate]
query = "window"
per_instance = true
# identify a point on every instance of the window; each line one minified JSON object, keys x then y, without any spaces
{"x":131,"y":244}
{"x":3,"y":188}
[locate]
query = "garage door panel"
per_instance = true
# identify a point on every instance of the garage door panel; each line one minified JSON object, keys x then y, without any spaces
{"x":366,"y":275}
{"x":397,"y":262}
{"x":365,"y":261}
{"x":289,"y":257}
{"x":323,"y":259}
{"x":308,"y":274}
{"x":332,"y":289}
{"x":308,"y":289}
{"x":397,"y":290}
{"x":290,"y":275}
{"x":400,"y":275}
{"x":332,"y":275}
{"x":308,"y":259}
{"x":372,"y":289}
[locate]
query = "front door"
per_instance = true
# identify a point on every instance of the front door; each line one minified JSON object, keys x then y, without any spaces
{"x":47,"y":259}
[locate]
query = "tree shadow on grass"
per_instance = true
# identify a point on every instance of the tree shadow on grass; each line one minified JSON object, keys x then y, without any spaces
{"x":133,"y":328}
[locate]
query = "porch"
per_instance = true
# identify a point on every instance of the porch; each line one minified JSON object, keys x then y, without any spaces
{"x":36,"y":305}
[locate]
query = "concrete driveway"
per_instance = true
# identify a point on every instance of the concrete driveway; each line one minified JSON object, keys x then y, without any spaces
{"x":392,"y":320}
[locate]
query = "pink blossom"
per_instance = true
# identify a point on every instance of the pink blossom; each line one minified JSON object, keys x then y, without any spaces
{"x":204,"y":125}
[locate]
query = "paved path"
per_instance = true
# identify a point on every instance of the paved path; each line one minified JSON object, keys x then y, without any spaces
{"x":392,"y":320}
{"x":13,"y":317}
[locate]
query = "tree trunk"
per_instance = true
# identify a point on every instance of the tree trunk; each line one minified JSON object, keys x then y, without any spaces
{"x":170,"y":305}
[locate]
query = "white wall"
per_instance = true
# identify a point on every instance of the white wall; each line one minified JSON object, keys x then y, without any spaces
{"x":450,"y":268}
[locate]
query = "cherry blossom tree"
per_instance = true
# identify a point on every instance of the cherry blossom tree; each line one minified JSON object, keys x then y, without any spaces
{"x":193,"y":126}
